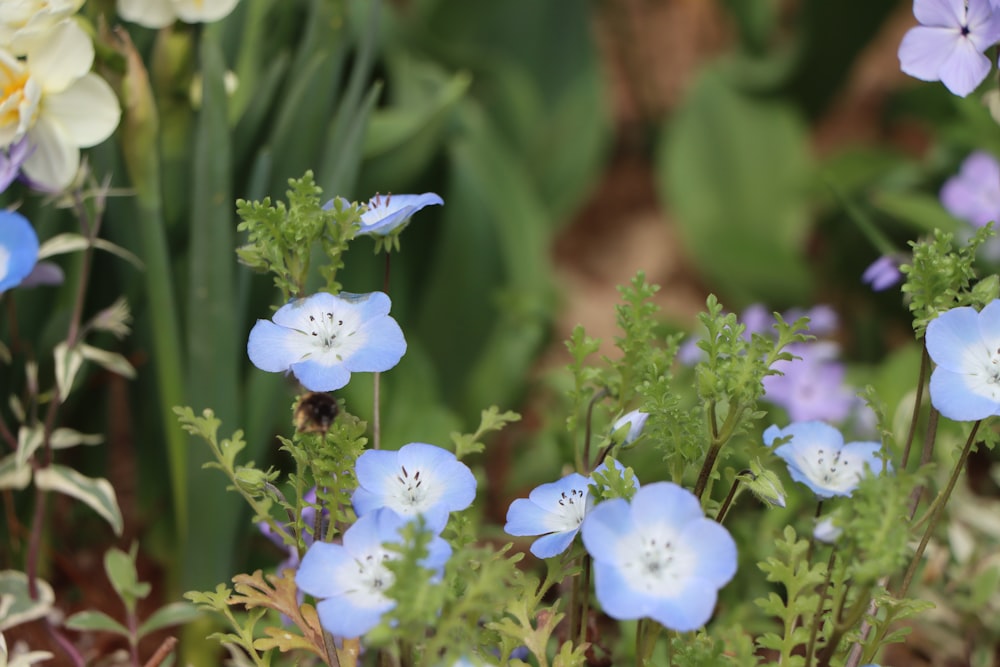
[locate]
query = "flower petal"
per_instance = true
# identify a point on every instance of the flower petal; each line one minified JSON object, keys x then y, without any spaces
{"x":944,"y":13}
{"x":54,"y":158}
{"x":58,"y":56}
{"x":345,"y":616}
{"x":953,"y":398}
{"x":965,"y":68}
{"x":953,"y":340}
{"x":148,"y":13}
{"x":553,"y":544}
{"x":18,"y":249}
{"x":604,"y":527}
{"x":924,"y":51}
{"x":87,"y":110}
{"x":203,"y":11}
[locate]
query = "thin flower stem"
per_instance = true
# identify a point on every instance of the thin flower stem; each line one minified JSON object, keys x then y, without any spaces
{"x":932,"y":523}
{"x":724,"y":509}
{"x":584,"y":599}
{"x":818,"y":618}
{"x":377,"y":384}
{"x":925,"y":457}
{"x":915,"y":417}
{"x":719,"y":437}
{"x":587,"y":430}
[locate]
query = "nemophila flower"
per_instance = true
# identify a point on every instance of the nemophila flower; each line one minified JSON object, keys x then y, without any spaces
{"x":350,"y":579}
{"x":554,"y":510}
{"x":817,"y":457}
{"x":658,"y":557}
{"x":18,"y":249}
{"x":948,"y":44}
{"x":388,"y":213}
{"x":53,"y":99}
{"x":826,"y":531}
{"x":418,"y":479}
{"x":965,"y":345}
{"x":324,"y":338}
{"x":811,"y":386}
{"x":635,"y":420}
{"x":161,"y":13}
{"x":973,"y":194}
{"x":883,"y":273}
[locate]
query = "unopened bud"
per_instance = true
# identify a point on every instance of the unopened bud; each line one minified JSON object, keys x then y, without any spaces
{"x":764,"y":484}
{"x":251,"y":480}
{"x":634,"y":422}
{"x":826,"y":531}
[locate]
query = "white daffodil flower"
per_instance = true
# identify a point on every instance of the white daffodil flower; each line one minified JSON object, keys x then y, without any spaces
{"x":24,"y":17}
{"x":53,"y":98}
{"x":161,"y":13}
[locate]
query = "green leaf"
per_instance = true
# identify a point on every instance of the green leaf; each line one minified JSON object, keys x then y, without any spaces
{"x":98,"y":494}
{"x":12,"y":475}
{"x":735,"y":171}
{"x":64,"y":438}
{"x":175,"y":613}
{"x":68,"y":361}
{"x":120,"y":568}
{"x":16,"y":604}
{"x":29,"y":439}
{"x":96,"y":621}
{"x":111,"y":361}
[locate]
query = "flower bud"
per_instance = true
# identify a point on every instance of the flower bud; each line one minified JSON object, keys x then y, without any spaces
{"x":251,"y":480}
{"x":764,"y":484}
{"x":634,"y":421}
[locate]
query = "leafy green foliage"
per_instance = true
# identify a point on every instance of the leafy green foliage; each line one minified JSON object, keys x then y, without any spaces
{"x":491,"y":420}
{"x":941,"y":277}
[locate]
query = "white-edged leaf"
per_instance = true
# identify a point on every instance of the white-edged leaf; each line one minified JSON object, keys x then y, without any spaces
{"x":4,"y":353}
{"x":95,"y":620}
{"x":95,"y":492}
{"x":21,"y":659}
{"x":16,"y":407}
{"x":13,"y":476}
{"x":16,"y":605}
{"x":68,"y":362}
{"x":60,"y":244}
{"x":64,"y":438}
{"x":129,"y":257}
{"x":29,"y":439}
{"x":111,"y":361}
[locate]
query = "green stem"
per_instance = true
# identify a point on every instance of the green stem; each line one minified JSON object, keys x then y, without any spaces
{"x":721,"y":515}
{"x":915,"y":417}
{"x":932,"y":523}
{"x":587,"y":428}
{"x":719,"y":438}
{"x":817,"y":620}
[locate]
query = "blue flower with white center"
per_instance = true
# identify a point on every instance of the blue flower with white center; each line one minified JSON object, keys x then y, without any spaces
{"x":817,"y":457}
{"x":350,"y":579}
{"x":18,"y":249}
{"x":324,"y":338}
{"x":391,"y":212}
{"x":965,"y":345}
{"x":418,"y":479}
{"x":554,"y":510}
{"x":658,"y":557}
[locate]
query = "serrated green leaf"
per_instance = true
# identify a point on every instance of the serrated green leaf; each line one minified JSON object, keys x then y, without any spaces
{"x":96,"y":621}
{"x":98,"y":494}
{"x":16,"y":604}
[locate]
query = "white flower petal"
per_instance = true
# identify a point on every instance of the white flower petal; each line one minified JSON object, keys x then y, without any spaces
{"x":203,"y":11}
{"x":148,"y":13}
{"x":88,"y":111}
{"x":54,"y":158}
{"x":59,"y":56}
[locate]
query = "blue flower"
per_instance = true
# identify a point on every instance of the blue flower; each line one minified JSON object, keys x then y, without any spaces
{"x":324,"y":338}
{"x":554,"y":510}
{"x":418,"y":479}
{"x":817,"y":457}
{"x":635,"y":420}
{"x":392,"y":212}
{"x":948,"y":44}
{"x":350,"y":579}
{"x":18,"y":249}
{"x":883,"y":273}
{"x":658,"y":557}
{"x":965,"y":345}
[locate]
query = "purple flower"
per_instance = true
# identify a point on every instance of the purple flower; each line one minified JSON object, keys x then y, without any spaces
{"x":386,"y":214}
{"x":883,"y":273}
{"x":948,"y":44}
{"x":973,"y":194}
{"x":11,"y":159}
{"x":350,"y":579}
{"x":965,"y":345}
{"x":812,"y":386}
{"x":324,"y":338}
{"x":18,"y":249}
{"x":418,"y":479}
{"x":817,"y":457}
{"x":658,"y":557}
